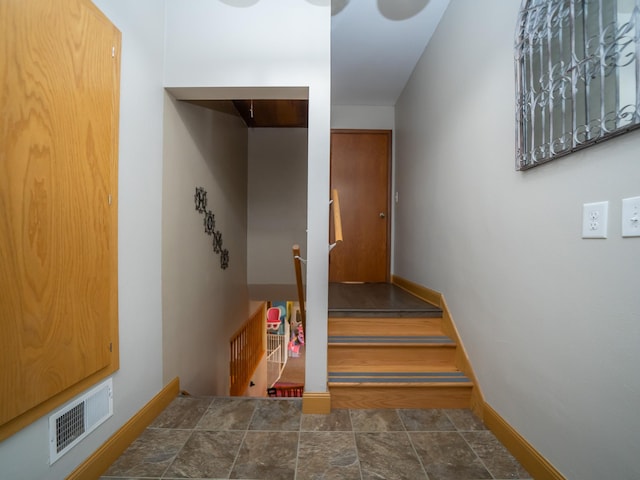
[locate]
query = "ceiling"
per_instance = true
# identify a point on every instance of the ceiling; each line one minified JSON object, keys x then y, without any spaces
{"x":375,"y":45}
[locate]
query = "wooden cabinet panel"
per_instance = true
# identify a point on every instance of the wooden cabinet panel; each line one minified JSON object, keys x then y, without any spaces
{"x":59,"y":77}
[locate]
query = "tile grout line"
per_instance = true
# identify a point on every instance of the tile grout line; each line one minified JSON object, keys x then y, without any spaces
{"x":459,"y":432}
{"x":179,"y":450}
{"x":413,"y":447}
{"x":477,"y":456}
{"x":295,"y":468}
{"x":355,"y":444}
{"x":246,"y":430}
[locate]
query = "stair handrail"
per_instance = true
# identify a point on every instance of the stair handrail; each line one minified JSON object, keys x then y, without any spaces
{"x":334,"y":203}
{"x":337,"y":219}
{"x":297,"y":262}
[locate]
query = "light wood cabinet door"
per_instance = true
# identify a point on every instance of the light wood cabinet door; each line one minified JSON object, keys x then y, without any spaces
{"x":59,"y":83}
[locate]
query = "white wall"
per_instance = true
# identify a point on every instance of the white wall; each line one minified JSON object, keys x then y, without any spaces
{"x":550,"y":321}
{"x":363,"y":117}
{"x":26,"y":454}
{"x":202,"y":304}
{"x":271,"y":43}
{"x":277,"y":217}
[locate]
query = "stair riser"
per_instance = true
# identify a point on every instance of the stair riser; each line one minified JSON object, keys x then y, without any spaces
{"x":385,"y":326}
{"x":410,"y":397}
{"x":387,"y":358}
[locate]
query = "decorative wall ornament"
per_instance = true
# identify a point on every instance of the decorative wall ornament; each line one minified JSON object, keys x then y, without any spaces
{"x":209,"y":222}
{"x":217,"y":242}
{"x":577,"y":75}
{"x":200,"y":199}
{"x":224,"y":259}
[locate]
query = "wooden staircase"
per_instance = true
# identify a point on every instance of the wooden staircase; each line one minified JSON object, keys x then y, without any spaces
{"x":394,"y":360}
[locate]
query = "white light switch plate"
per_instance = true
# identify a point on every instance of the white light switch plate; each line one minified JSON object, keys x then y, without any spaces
{"x":631,"y":217}
{"x":594,"y":220}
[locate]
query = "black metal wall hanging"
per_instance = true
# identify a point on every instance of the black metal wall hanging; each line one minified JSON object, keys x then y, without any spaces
{"x":217,"y":242}
{"x":224,"y":259}
{"x":209,"y":222}
{"x":200,"y":199}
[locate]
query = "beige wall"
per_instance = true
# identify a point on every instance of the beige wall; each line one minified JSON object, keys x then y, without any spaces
{"x":212,"y":45}
{"x":202,"y":304}
{"x":363,"y":117}
{"x":277,"y":217}
{"x":550,"y":321}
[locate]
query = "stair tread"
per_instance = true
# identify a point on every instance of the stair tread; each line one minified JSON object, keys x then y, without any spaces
{"x":387,"y":339}
{"x":398,"y":377}
{"x":384,"y":313}
{"x":407,"y":373}
{"x":377,"y":300}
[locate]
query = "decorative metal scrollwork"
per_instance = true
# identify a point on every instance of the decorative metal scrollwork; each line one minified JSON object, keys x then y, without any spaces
{"x":224,"y":259}
{"x":209,"y":222}
{"x":217,"y":242}
{"x":200,"y":199}
{"x":577,"y":75}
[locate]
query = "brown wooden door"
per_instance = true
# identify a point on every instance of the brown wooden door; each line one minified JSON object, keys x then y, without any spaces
{"x":58,"y":209}
{"x":360,"y":166}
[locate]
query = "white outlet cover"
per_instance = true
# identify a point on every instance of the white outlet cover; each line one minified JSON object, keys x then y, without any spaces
{"x":631,"y":217}
{"x":594,"y":220}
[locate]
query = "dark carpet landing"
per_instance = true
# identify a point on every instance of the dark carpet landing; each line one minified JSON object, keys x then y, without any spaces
{"x":377,"y":300}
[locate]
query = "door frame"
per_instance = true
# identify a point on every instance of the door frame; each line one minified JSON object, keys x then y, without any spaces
{"x":389,"y":134}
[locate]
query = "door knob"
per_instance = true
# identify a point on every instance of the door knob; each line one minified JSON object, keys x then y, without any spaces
{"x":381,"y":214}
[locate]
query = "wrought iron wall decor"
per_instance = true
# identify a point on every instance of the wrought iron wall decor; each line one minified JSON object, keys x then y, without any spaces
{"x":200,"y":199}
{"x":577,"y":75}
{"x":209,"y":222}
{"x":217,"y":242}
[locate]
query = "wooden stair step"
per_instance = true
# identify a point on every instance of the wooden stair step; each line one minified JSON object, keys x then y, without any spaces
{"x":385,"y":326}
{"x":391,"y":356}
{"x":400,"y":389}
{"x":429,"y":311}
{"x":405,"y":340}
{"x":379,"y":378}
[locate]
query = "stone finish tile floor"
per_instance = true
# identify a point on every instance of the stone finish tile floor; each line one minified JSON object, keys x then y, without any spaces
{"x":268,"y":438}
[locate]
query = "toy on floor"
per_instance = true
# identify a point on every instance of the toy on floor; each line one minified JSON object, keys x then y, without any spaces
{"x":297,"y":339}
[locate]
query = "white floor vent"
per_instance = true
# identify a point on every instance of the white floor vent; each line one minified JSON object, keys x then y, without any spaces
{"x":79,"y":418}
